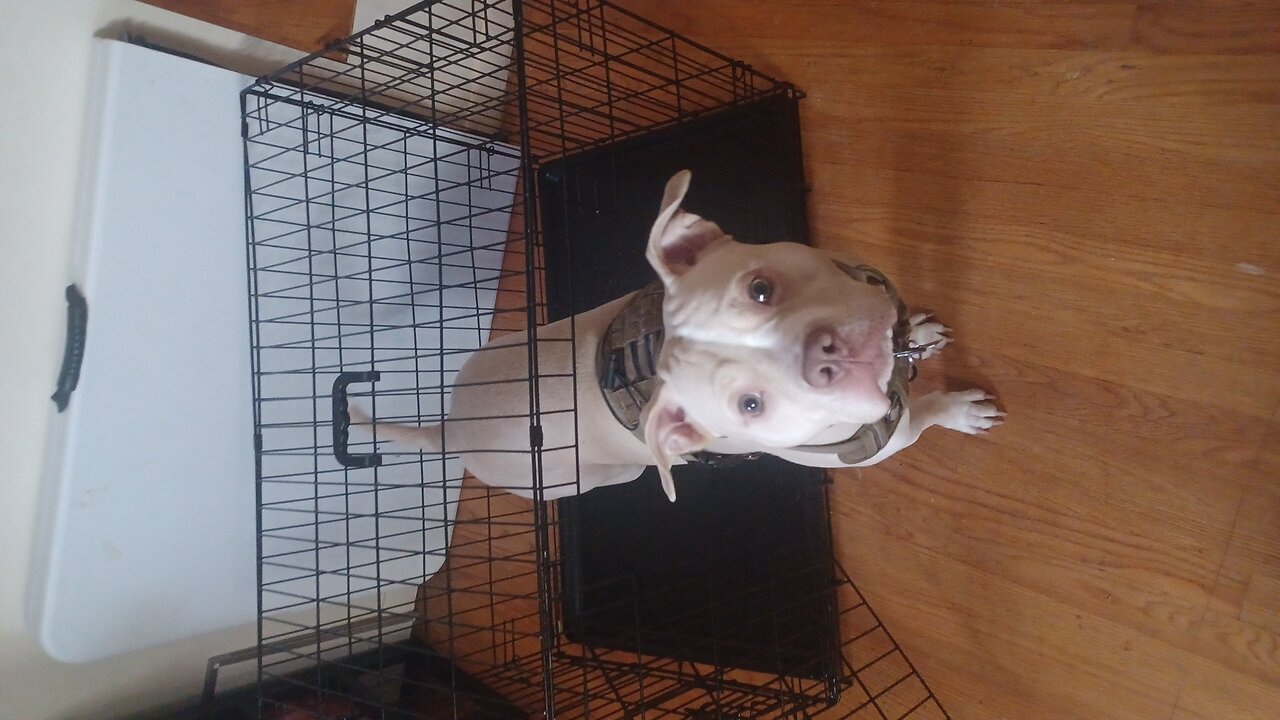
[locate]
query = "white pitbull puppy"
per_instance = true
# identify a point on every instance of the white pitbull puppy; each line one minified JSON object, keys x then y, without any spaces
{"x":778,"y":348}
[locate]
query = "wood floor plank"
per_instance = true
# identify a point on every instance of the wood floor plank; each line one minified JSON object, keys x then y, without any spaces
{"x":1221,"y":159}
{"x":1112,"y":421}
{"x":307,"y":25}
{"x":1131,"y":76}
{"x":1154,"y":575}
{"x":1201,"y":300}
{"x":1241,"y":627}
{"x":731,"y":25}
{"x":1188,"y":27}
{"x":1212,"y":693}
{"x":1255,"y":542}
{"x":1243,"y":647}
{"x":1260,"y":605}
{"x":1233,"y":241}
{"x":1023,"y":655}
{"x":1114,"y":556}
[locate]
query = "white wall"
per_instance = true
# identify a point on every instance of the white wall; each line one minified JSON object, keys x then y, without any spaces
{"x":44,"y":71}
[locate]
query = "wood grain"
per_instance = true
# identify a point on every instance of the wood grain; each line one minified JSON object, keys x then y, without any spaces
{"x":832,"y":25}
{"x":1111,"y":76}
{"x":1214,"y":28}
{"x":307,"y":25}
{"x":1089,"y":193}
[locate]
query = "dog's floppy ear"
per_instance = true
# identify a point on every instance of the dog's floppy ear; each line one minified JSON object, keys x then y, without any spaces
{"x":669,"y":433}
{"x":678,"y":238}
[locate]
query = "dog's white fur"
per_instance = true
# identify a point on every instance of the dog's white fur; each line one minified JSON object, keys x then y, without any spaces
{"x":815,"y":354}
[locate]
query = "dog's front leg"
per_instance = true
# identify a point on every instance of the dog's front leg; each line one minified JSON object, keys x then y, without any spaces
{"x":968,"y":411}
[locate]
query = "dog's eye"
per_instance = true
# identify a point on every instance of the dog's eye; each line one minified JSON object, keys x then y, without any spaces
{"x":751,"y":404}
{"x":761,"y":290}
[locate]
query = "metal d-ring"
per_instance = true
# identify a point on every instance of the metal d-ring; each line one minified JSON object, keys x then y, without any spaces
{"x":913,"y":355}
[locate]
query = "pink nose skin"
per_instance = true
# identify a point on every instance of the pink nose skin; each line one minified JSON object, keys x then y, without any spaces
{"x":826,"y":359}
{"x":848,"y":368}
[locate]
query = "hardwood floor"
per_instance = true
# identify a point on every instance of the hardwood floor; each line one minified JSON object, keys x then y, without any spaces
{"x":1089,"y":193}
{"x":307,"y":25}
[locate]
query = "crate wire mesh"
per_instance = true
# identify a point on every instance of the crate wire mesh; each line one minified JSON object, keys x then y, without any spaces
{"x":393,"y":230}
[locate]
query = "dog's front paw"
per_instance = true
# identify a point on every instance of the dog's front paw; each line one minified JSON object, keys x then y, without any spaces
{"x":928,"y":333}
{"x":970,"y":412}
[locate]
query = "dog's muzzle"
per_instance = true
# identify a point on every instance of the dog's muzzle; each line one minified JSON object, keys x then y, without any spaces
{"x":627,"y":371}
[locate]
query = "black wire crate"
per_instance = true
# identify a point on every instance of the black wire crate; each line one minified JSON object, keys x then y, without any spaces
{"x":413,"y":193}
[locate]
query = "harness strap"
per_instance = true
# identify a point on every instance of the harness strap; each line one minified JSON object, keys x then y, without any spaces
{"x":627,"y":357}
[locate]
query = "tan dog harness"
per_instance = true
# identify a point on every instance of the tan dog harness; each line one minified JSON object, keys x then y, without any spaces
{"x":627,"y":370}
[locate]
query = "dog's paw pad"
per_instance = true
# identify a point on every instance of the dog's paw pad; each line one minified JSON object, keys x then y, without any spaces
{"x":927,"y":331}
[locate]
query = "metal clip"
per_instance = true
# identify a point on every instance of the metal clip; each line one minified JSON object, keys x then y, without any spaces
{"x":913,"y":354}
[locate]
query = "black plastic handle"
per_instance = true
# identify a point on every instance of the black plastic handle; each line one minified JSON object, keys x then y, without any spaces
{"x":73,"y":350}
{"x":342,"y":420}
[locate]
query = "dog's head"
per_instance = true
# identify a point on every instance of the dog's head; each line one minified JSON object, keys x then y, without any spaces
{"x":769,"y":345}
